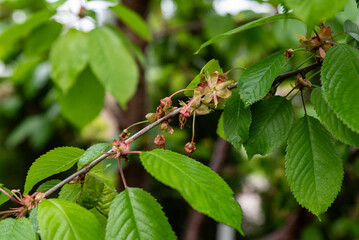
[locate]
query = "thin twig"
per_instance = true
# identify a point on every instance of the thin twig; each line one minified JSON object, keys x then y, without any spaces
{"x":144,"y":130}
{"x":122,"y":174}
{"x":301,"y":94}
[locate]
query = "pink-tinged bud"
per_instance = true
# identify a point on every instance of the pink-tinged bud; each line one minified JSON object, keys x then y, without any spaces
{"x":166,"y":102}
{"x":170,"y":130}
{"x":159,"y":140}
{"x":185,"y":112}
{"x":190,"y":147}
{"x":164,"y":126}
{"x":115,"y":143}
{"x":159,"y":112}
{"x":123,"y":147}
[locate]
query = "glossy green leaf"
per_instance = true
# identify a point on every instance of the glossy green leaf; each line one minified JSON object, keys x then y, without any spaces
{"x":20,"y":229}
{"x":209,"y":68}
{"x":256,"y":81}
{"x":113,"y":64}
{"x":271,"y":125}
{"x":236,"y":120}
{"x":135,"y":214}
{"x":41,"y":39}
{"x":313,"y":12}
{"x":133,"y":20}
{"x":313,"y":167}
{"x":70,"y":192}
{"x":352,"y":29}
{"x":202,"y":188}
{"x":253,"y":24}
{"x":47,"y":185}
{"x":340,"y":80}
{"x":92,"y":153}
{"x":10,"y":38}
{"x":97,"y":193}
{"x":83,"y":102}
{"x":63,"y":220}
{"x":54,"y":161}
{"x":333,"y":123}
{"x":69,"y":57}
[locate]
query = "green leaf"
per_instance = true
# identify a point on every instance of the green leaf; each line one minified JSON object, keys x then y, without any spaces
{"x":33,"y":220}
{"x":209,"y":68}
{"x":202,"y":188}
{"x":92,"y":153}
{"x":313,"y":167}
{"x":70,"y":192}
{"x":220,"y":128}
{"x":133,"y":48}
{"x":41,"y":39}
{"x":340,"y":80}
{"x":19,"y":229}
{"x":133,"y":20}
{"x":35,"y":127}
{"x":24,"y":68}
{"x":101,"y":219}
{"x":53,"y":162}
{"x":236,"y":120}
{"x":329,"y":119}
{"x":352,"y":29}
{"x":47,"y":185}
{"x":68,"y":57}
{"x":113,"y":64}
{"x":313,"y":12}
{"x":3,"y":197}
{"x":10,"y":38}
{"x":256,"y":81}
{"x":83,"y":102}
{"x":271,"y":125}
{"x":63,"y":220}
{"x":97,"y":193}
{"x":135,"y":214}
{"x":253,"y":24}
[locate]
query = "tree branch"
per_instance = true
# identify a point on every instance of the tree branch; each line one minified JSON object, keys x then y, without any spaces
{"x":87,"y":168}
{"x":303,"y":71}
{"x":103,"y":156}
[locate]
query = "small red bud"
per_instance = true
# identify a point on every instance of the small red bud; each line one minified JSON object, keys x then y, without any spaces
{"x":190,"y":147}
{"x":185,"y":112}
{"x":160,"y":140}
{"x":166,"y":102}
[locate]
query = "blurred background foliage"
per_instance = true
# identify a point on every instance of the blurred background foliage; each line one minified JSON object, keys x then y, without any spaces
{"x":33,"y":122}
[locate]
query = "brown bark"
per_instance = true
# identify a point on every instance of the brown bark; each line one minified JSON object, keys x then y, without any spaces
{"x":293,"y":227}
{"x":137,"y":106}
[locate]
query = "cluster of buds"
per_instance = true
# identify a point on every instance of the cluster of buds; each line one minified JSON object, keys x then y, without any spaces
{"x":209,"y":94}
{"x":26,"y":203}
{"x":320,"y":43}
{"x":120,"y":148}
{"x":161,"y":111}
